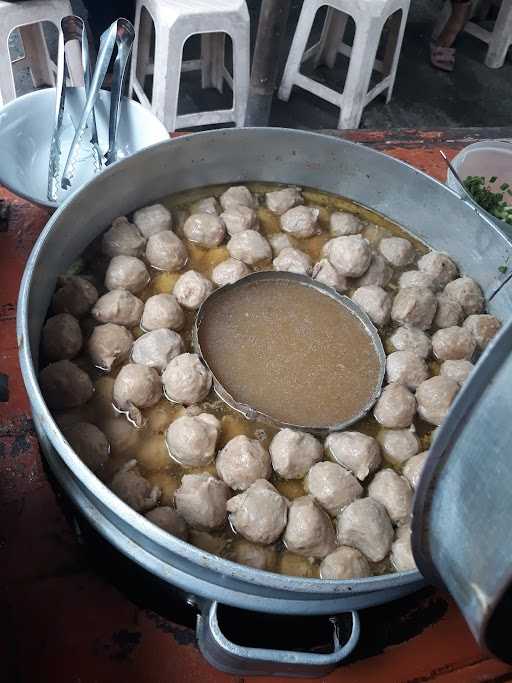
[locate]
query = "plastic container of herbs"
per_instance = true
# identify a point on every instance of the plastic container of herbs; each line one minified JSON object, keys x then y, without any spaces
{"x":486,"y":169}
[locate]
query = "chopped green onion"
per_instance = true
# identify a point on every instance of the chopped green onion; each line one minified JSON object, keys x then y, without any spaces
{"x":492,"y":202}
{"x":503,"y":269}
{"x":493,"y":179}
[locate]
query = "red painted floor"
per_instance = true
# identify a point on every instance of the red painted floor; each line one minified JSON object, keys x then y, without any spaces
{"x":63,"y":621}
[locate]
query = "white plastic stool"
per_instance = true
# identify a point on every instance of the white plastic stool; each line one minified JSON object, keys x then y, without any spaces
{"x":175,"y":21}
{"x":499,"y":39}
{"x":369,"y":17}
{"x":27,"y":16}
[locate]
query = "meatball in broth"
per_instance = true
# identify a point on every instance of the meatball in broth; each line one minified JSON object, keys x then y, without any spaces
{"x":123,"y":375}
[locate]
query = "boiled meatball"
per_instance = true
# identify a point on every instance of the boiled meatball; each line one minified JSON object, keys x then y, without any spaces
{"x":133,"y":489}
{"x":407,"y":368}
{"x":365,"y":525}
{"x":259,"y":514}
{"x":397,"y":250}
{"x":458,"y":370}
{"x":153,"y":219}
{"x":123,"y":436}
{"x":350,"y":255}
{"x":120,"y":307}
{"x":414,"y":306}
{"x":379,"y":273}
{"x":65,"y":385}
{"x":250,"y":247}
{"x":393,"y":492}
{"x":239,"y":218}
{"x":157,"y":348}
{"x":281,"y":201}
{"x":293,"y":261}
{"x":162,"y":310}
{"x":440,"y":268}
{"x":453,"y":343}
{"x":301,"y":221}
{"x":402,"y":558}
{"x":332,"y":486}
{"x":191,"y":440}
{"x":328,"y":275}
{"x":136,"y":386}
{"x":169,"y":520}
{"x":435,"y":397}
{"x":257,"y":556}
{"x":238,"y":195}
{"x":396,"y":407}
{"x":483,"y":328}
{"x":344,"y":223}
{"x":191,"y":289}
{"x":126,"y":272}
{"x":413,"y":468}
{"x":345,"y":563}
{"x":467,"y":293}
{"x":356,"y":452}
{"x":278,"y":242}
{"x":206,"y":205}
{"x":89,"y":443}
{"x":293,"y":453}
{"x":61,"y":337}
{"x":186,"y":380}
{"x":448,"y":313}
{"x":412,"y":339}
{"x":108,"y":345}
{"x":165,"y":251}
{"x":415,"y":278}
{"x":205,"y":229}
{"x":398,"y":445}
{"x":242,"y":461}
{"x":229,"y":272}
{"x":375,"y":302}
{"x":309,"y":531}
{"x":201,"y":501}
{"x":76,"y":296}
{"x":123,"y":238}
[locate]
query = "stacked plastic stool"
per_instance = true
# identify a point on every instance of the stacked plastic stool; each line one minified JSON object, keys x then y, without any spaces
{"x":175,"y":21}
{"x":369,"y":17}
{"x":28,"y":16}
{"x":499,"y":39}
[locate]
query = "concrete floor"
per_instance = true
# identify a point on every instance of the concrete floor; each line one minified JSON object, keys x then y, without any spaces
{"x":424,"y":97}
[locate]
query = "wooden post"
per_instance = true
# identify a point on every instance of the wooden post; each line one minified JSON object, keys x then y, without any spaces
{"x":269,"y":38}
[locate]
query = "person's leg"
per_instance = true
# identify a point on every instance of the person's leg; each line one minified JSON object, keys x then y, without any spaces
{"x":442,"y":52}
{"x":456,"y":22}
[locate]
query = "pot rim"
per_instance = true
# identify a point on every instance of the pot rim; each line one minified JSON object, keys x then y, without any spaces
{"x":263,"y":578}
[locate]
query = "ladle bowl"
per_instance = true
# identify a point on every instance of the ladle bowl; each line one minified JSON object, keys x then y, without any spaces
{"x":250,"y":412}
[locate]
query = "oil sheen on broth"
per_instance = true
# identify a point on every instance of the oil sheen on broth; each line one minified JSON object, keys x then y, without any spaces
{"x":290,"y":352}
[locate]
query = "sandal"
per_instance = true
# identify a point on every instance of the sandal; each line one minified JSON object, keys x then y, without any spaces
{"x":442,"y":57}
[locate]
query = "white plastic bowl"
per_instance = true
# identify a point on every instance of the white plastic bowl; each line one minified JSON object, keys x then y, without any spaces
{"x":488,"y":159}
{"x":26,"y":127}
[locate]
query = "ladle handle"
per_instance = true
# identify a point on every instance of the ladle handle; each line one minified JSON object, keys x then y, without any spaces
{"x":241,"y":660}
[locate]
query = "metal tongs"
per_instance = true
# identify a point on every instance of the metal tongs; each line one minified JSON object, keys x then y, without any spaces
{"x":72,"y":28}
{"x":121,"y":34}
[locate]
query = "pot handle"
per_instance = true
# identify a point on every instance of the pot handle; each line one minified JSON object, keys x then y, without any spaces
{"x":240,"y":660}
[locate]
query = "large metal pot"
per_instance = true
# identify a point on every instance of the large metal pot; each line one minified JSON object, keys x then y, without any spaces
{"x":428,"y":209}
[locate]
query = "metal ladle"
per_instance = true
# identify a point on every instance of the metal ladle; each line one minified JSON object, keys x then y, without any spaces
{"x":281,"y":276}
